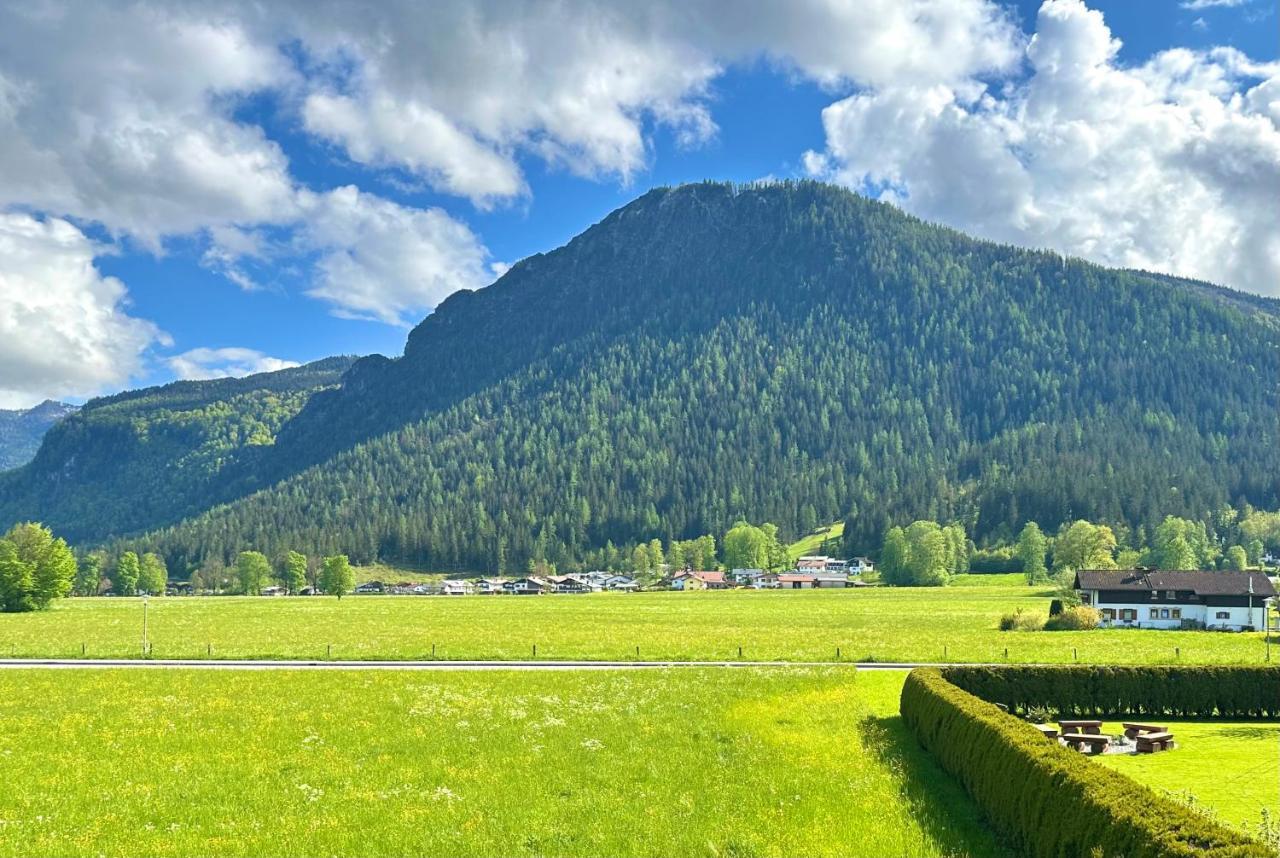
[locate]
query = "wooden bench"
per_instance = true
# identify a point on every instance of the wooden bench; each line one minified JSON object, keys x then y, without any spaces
{"x":1149,"y":743}
{"x":1093,"y":728}
{"x":1132,"y":731}
{"x":1049,"y":731}
{"x":1097,"y":744}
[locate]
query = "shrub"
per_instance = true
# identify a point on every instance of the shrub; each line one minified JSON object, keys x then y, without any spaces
{"x":1187,"y":692}
{"x":1045,"y":799}
{"x":1079,"y":618}
{"x":1022,"y":621}
{"x":1041,"y":714}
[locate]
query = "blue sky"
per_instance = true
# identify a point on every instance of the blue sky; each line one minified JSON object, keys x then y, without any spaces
{"x":195,"y":228}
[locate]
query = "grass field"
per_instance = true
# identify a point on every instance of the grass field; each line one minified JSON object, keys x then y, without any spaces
{"x":1231,"y":768}
{"x":812,"y":543}
{"x":883,"y":624}
{"x":746,"y":762}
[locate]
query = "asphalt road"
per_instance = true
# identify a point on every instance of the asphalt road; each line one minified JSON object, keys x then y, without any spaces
{"x":216,"y":664}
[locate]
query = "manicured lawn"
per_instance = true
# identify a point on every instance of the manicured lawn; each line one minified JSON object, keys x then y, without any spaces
{"x":882,"y":624}
{"x":705,"y":762}
{"x":1232,"y":768}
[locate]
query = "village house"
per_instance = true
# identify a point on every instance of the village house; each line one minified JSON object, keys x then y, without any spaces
{"x":1170,"y":600}
{"x":689,"y":580}
{"x":453,"y":587}
{"x":795,"y":581}
{"x":746,"y":577}
{"x":812,"y":563}
{"x":861,"y":566}
{"x":569,"y":584}
{"x":620,"y":583}
{"x":528,"y":586}
{"x":829,"y":580}
{"x":491,"y":586}
{"x":767,"y":581}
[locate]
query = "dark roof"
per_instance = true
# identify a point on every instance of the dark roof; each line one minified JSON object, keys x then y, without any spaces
{"x":1201,"y":583}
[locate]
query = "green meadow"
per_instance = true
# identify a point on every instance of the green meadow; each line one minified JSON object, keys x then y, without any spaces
{"x":1232,"y":769}
{"x":956,"y":623}
{"x":745,"y":762}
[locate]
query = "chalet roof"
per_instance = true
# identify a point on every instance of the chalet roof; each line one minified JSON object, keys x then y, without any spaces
{"x":709,"y":577}
{"x":1201,"y":583}
{"x":792,"y":578}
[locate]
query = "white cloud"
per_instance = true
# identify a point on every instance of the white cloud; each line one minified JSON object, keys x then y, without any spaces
{"x":1212,"y":4}
{"x":205,"y":363}
{"x":64,"y":327}
{"x":121,"y":114}
{"x":1173,"y":165}
{"x":456,"y":91}
{"x":379,"y":260}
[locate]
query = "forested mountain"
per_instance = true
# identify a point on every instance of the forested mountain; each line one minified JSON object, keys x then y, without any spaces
{"x":149,"y":457}
{"x":22,"y":430}
{"x":785,"y":352}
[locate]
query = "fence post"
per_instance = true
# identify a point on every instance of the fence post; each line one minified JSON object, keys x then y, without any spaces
{"x":637,"y":652}
{"x":837,"y":653}
{"x":535,"y":650}
{"x":82,"y":647}
{"x":328,"y":651}
{"x":739,"y":652}
{"x":944,"y":652}
{"x":1075,"y":654}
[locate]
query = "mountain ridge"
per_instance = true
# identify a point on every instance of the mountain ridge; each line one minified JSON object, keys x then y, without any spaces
{"x":23,"y":429}
{"x":791,"y":352}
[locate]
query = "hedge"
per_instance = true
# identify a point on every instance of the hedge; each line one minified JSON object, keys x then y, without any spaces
{"x":1188,"y":692}
{"x":1047,"y":800}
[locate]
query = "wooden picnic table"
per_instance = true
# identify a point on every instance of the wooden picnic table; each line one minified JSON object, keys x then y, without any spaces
{"x":1097,"y":743}
{"x":1090,"y":727}
{"x":1133,"y":730}
{"x":1149,"y":743}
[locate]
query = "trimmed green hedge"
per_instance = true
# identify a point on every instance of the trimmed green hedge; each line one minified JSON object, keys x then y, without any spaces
{"x":1047,"y":800}
{"x":1189,"y":692}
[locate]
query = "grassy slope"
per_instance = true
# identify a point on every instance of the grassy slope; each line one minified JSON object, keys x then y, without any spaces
{"x":700,"y":762}
{"x":812,"y":543}
{"x":1226,"y":766}
{"x":884,"y":624}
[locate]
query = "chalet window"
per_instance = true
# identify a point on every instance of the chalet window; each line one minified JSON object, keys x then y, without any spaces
{"x":1108,"y":614}
{"x":1086,"y":598}
{"x":1170,"y":594}
{"x":1176,"y":613}
{"x":1155,"y":613}
{"x":1164,"y":613}
{"x":1224,"y":615}
{"x":1128,"y":614}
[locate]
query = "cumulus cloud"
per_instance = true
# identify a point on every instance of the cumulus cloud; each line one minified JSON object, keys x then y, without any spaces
{"x":383,"y":261}
{"x":122,"y":114}
{"x":64,"y":328}
{"x":1173,"y":165}
{"x":455,"y":92}
{"x":205,"y":363}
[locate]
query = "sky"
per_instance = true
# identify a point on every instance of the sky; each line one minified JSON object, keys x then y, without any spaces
{"x":198,"y":189}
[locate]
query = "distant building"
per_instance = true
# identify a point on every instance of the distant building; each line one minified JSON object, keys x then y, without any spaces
{"x":831,"y":580}
{"x":746,"y":577}
{"x":491,"y":586}
{"x":1170,"y":600}
{"x":529,"y":586}
{"x":821,"y":563}
{"x":689,"y":580}
{"x":454,"y":587}
{"x":861,"y":566}
{"x":796,"y":581}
